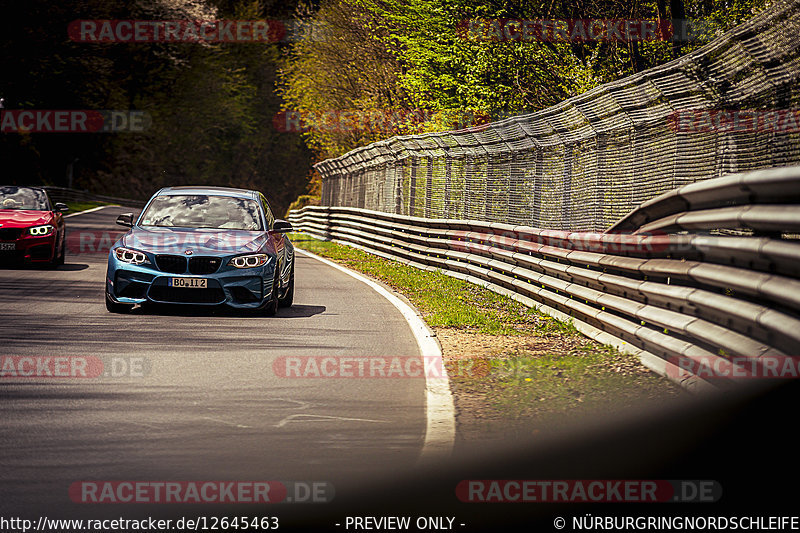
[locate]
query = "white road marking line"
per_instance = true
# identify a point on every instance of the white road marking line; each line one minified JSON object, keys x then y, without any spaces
{"x":440,"y":433}
{"x":90,"y":210}
{"x":324,"y":418}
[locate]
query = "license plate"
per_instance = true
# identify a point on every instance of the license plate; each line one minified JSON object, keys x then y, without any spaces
{"x":188,"y":283}
{"x":8,"y":246}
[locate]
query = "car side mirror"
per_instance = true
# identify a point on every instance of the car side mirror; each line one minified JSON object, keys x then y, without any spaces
{"x":61,"y":208}
{"x":281,"y":226}
{"x":125,"y":220}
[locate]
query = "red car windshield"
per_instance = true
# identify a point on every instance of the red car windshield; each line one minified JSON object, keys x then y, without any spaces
{"x":23,"y":198}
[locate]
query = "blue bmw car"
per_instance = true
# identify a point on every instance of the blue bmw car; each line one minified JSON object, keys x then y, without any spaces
{"x":202,"y":246}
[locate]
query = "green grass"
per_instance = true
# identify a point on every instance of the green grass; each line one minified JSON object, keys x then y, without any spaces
{"x":550,"y":374}
{"x":444,"y":301}
{"x":589,"y":376}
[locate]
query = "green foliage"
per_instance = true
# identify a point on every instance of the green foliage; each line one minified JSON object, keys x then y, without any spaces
{"x":443,"y":300}
{"x":417,"y":54}
{"x":212,"y":105}
{"x":302,"y":201}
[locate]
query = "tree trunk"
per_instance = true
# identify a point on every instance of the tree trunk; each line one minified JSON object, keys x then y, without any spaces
{"x":677,"y":11}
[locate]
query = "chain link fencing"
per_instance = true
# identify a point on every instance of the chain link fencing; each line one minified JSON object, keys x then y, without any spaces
{"x":585,"y":163}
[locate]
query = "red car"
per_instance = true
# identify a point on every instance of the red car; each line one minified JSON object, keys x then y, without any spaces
{"x":31,"y":227}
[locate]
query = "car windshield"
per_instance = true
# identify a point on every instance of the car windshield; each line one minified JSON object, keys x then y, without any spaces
{"x":23,"y":198}
{"x":202,"y":211}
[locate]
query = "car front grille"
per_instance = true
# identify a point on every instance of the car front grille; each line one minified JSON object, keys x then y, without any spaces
{"x":243,"y":295}
{"x":42,"y":251}
{"x":10,"y":256}
{"x":9,"y":234}
{"x":134,"y":289}
{"x":204,"y":265}
{"x":162,"y":293}
{"x":175,"y":264}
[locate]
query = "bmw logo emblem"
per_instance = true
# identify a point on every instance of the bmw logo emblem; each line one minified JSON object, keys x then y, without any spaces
{"x":188,"y":252}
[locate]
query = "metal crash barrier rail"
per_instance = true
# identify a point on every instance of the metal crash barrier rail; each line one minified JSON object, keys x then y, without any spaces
{"x":703,"y":285}
{"x":63,"y":194}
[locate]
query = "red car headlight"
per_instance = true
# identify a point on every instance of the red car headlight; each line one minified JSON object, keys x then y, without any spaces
{"x":41,"y":231}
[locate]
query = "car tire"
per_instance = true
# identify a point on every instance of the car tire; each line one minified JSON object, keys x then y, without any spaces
{"x":62,"y":254}
{"x":272,"y":305}
{"x":288,"y":298}
{"x":58,"y":255}
{"x":114,"y":307}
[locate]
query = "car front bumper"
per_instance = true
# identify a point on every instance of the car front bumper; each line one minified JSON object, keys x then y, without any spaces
{"x":28,"y":249}
{"x":238,"y":288}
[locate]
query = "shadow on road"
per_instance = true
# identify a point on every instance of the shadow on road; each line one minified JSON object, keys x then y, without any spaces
{"x":296,"y":311}
{"x":73,"y":267}
{"x":301,"y":311}
{"x":68,"y":267}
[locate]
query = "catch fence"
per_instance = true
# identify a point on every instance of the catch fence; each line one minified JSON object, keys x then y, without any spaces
{"x":585,"y":163}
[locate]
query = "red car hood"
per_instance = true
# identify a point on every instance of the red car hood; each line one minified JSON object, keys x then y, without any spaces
{"x":21,"y":218}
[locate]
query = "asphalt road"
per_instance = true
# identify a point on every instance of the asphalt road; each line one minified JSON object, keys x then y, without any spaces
{"x":207,"y":405}
{"x":210,"y":407}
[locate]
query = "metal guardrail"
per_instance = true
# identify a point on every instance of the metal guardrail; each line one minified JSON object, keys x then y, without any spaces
{"x":691,"y":305}
{"x":63,"y":194}
{"x":764,"y":200}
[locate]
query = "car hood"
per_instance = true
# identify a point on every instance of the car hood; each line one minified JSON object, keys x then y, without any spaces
{"x":201,"y":241}
{"x":23,"y":218}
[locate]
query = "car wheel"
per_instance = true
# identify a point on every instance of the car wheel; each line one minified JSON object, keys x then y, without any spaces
{"x":272,"y":306}
{"x":58,"y":256}
{"x":288,"y":298}
{"x":63,"y":252}
{"x":114,"y":307}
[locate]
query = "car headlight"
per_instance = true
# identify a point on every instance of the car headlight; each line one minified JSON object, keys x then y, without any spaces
{"x":41,"y":231}
{"x":249,"y":261}
{"x":135,"y":257}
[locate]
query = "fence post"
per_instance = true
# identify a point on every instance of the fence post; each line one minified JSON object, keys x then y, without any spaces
{"x":447,"y":162}
{"x":566,"y":205}
{"x":412,"y":188}
{"x":399,"y":173}
{"x":429,"y":187}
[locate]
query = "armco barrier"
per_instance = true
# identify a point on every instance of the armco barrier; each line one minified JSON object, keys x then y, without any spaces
{"x":62,"y":194}
{"x":689,"y":304}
